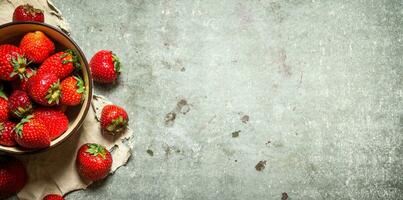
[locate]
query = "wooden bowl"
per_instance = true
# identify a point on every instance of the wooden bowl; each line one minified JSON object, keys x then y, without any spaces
{"x":11,"y":33}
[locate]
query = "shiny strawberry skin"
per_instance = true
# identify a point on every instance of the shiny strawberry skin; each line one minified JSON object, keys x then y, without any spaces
{"x":44,"y":89}
{"x":93,"y":162}
{"x":37,"y":46}
{"x":7,"y":134}
{"x":31,"y":133}
{"x":114,"y":119}
{"x":61,"y":64}
{"x":13,"y":176}
{"x":53,"y":197}
{"x":28,"y":13}
{"x":19,"y":104}
{"x":55,"y":121}
{"x":105,"y":66}
{"x":12,"y":62}
{"x":72,"y":91}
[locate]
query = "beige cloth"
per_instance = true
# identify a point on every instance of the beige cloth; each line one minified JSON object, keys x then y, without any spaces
{"x":54,"y":171}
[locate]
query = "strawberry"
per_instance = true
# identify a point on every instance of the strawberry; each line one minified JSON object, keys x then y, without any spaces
{"x":32,"y":133}
{"x":44,"y":89}
{"x":28,"y":13}
{"x":114,"y":119}
{"x":37,"y":46}
{"x":55,"y":121}
{"x":21,"y":84}
{"x":72,"y":91}
{"x":105,"y":66}
{"x":19,"y":104}
{"x":53,"y":197}
{"x":13,"y":176}
{"x":3,"y":106}
{"x":12,"y":62}
{"x":93,"y":161}
{"x":7,"y":134}
{"x":61,"y":64}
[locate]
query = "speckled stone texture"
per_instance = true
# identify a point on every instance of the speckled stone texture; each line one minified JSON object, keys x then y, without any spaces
{"x":250,"y":99}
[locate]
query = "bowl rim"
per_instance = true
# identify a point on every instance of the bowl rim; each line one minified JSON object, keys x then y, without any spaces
{"x":87,"y":106}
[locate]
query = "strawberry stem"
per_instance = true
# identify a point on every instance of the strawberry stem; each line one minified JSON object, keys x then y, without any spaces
{"x":54,"y":93}
{"x":96,"y":149}
{"x":116,"y":63}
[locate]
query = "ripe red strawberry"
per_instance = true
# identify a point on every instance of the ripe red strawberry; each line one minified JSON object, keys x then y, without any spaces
{"x":13,"y":176}
{"x":105,"y":66}
{"x":37,"y":46}
{"x":72,"y":91}
{"x":12,"y":62}
{"x":32,"y":133}
{"x":53,"y":197}
{"x":28,"y":13}
{"x":93,"y":161}
{"x":44,"y":89}
{"x":21,"y":84}
{"x":61,"y":64}
{"x":55,"y":121}
{"x":114,"y":119}
{"x":3,"y":106}
{"x":19,"y":104}
{"x":7,"y":134}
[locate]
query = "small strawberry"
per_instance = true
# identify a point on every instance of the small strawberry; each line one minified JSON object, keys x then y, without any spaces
{"x":19,"y":104}
{"x":13,"y":176}
{"x":44,"y":89}
{"x":105,"y":66}
{"x":72,"y":91}
{"x":32,"y":133}
{"x":12,"y":62}
{"x":55,"y":121}
{"x":21,"y":84}
{"x":37,"y":46}
{"x":3,"y":106}
{"x":93,"y":161}
{"x":61,"y":64}
{"x":114,"y":119}
{"x":53,"y":197}
{"x":7,"y":134}
{"x":28,"y":13}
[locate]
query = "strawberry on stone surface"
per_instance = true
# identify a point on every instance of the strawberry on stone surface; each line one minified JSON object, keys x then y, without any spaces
{"x":93,"y":161}
{"x":31,"y":133}
{"x":114,"y":119}
{"x":105,"y":66}
{"x":28,"y":13}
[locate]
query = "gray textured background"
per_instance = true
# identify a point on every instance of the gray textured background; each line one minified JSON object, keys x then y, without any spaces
{"x":321,"y":80}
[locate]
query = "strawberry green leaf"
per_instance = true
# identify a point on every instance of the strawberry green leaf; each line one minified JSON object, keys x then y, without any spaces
{"x":54,"y":93}
{"x":116,"y":63}
{"x":96,"y":149}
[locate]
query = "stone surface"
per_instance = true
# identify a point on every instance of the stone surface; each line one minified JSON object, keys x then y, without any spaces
{"x":320,"y":82}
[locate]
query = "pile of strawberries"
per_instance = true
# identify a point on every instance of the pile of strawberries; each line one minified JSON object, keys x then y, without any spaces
{"x":37,"y":87}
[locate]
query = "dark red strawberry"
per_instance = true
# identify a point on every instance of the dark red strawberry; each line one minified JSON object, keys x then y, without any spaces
{"x":53,"y":197}
{"x":105,"y":67}
{"x":12,"y":62}
{"x":72,"y":89}
{"x":55,"y":121}
{"x":61,"y":64}
{"x":114,"y":119}
{"x":37,"y":46}
{"x":28,"y":13}
{"x":13,"y":176}
{"x":21,"y":84}
{"x":19,"y":104}
{"x":44,"y":89}
{"x":93,"y":161}
{"x":32,"y":133}
{"x":3,"y":106}
{"x":7,"y":134}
